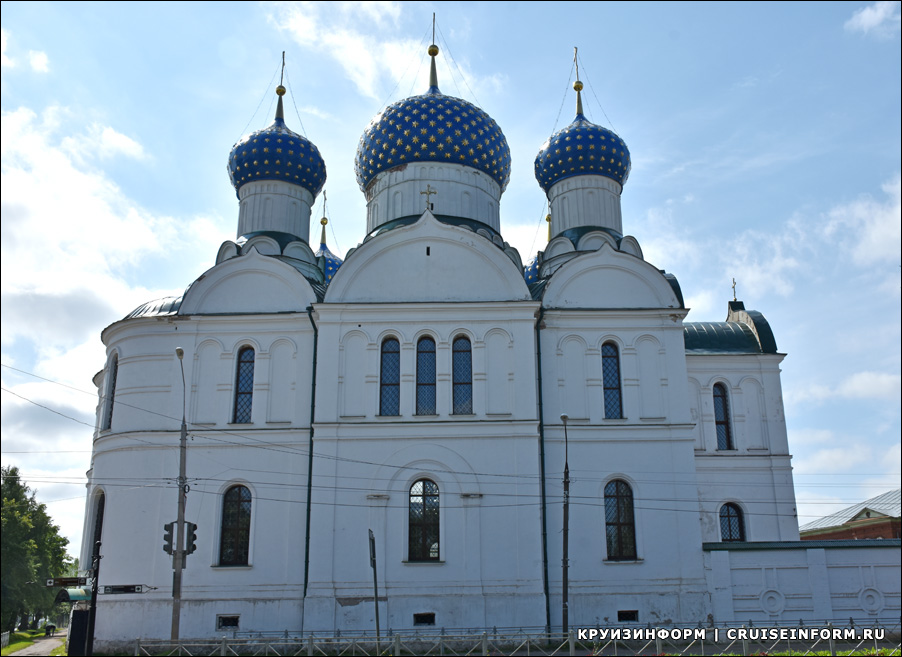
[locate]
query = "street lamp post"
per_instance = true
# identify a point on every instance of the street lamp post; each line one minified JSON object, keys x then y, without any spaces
{"x":178,"y":561}
{"x":565,"y":562}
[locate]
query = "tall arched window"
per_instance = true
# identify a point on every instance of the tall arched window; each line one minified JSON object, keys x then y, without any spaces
{"x":610,"y":373}
{"x":244,"y":386}
{"x":99,"y":507}
{"x":722,"y":417}
{"x":422,"y":527}
{"x":390,"y":378}
{"x":732,"y":523}
{"x":235,"y":532}
{"x":620,"y":526}
{"x":110,"y":394}
{"x":462,"y":375}
{"x":426,"y":376}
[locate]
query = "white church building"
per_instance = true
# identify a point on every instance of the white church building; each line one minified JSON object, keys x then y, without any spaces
{"x":428,"y":388}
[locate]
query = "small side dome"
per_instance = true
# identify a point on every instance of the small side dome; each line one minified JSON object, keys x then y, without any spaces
{"x":331,"y":262}
{"x":582,"y":148}
{"x":432,"y":128}
{"x":531,"y":270}
{"x":277,"y":153}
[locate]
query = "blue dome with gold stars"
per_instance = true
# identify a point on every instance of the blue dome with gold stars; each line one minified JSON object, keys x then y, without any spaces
{"x":331,"y":262}
{"x":277,"y":153}
{"x":433,"y":128}
{"x":582,"y":148}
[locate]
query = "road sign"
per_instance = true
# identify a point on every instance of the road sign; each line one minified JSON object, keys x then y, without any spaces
{"x":66,"y":581}
{"x":123,"y":588}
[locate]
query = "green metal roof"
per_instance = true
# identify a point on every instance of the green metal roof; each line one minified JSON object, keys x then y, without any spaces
{"x":720,"y":337}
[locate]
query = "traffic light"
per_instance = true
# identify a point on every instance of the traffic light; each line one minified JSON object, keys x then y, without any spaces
{"x":190,"y":538}
{"x":167,"y":537}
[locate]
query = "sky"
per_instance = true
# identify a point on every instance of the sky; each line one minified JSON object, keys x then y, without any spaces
{"x":765,"y":142}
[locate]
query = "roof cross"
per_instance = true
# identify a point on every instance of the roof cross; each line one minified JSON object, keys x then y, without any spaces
{"x":429,"y":192}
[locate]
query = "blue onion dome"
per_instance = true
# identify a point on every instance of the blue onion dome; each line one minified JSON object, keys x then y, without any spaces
{"x":277,"y":153}
{"x":531,"y":271}
{"x":582,"y":148}
{"x":433,"y":128}
{"x":331,"y":262}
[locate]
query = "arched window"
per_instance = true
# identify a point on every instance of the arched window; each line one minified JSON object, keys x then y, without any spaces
{"x":390,"y":381}
{"x":422,"y":536}
{"x":462,"y":375}
{"x":610,"y":372}
{"x":426,"y":376}
{"x":244,"y":386}
{"x":235,"y":532}
{"x":732,"y":524}
{"x":722,"y":417}
{"x":99,"y":507}
{"x":620,"y":526}
{"x":110,"y":394}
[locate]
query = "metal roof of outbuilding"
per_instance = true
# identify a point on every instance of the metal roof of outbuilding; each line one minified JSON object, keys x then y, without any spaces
{"x":888,"y":504}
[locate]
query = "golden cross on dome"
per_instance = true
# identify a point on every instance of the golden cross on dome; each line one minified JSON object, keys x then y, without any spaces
{"x":429,"y":192}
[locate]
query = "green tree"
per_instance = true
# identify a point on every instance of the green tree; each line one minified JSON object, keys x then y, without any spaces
{"x":31,"y":551}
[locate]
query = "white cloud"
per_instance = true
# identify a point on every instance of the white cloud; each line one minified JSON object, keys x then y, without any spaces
{"x":861,"y":385}
{"x":70,"y":240}
{"x":871,"y":229}
{"x":364,"y":58}
{"x":103,"y":142}
{"x":882,"y":19}
{"x":345,"y":31}
{"x":5,"y":60}
{"x":39,"y":61}
{"x":663,"y":242}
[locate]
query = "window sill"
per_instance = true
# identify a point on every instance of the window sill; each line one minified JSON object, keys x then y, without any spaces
{"x":236,"y":567}
{"x":626,"y":562}
{"x":424,"y":563}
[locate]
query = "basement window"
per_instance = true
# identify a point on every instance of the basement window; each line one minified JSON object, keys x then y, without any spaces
{"x":424,"y":619}
{"x":227,"y":622}
{"x":627,"y":615}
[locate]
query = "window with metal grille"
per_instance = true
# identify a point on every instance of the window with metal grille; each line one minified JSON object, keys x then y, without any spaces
{"x":620,"y":526}
{"x":732,"y":524}
{"x":462,"y":376}
{"x":390,"y":378}
{"x":610,"y":372}
{"x":110,"y":394}
{"x":244,"y":386}
{"x":722,"y":417}
{"x":98,"y":523}
{"x":235,"y":534}
{"x":422,"y":538}
{"x":426,"y":376}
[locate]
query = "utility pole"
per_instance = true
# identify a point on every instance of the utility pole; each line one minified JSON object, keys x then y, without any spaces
{"x":178,"y":556}
{"x":375,"y":583}
{"x":565,"y":562}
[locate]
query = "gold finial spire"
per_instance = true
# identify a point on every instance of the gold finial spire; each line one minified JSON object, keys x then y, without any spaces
{"x":280,"y":91}
{"x":323,"y":221}
{"x":577,"y":86}
{"x":548,"y":219}
{"x":433,"y":51}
